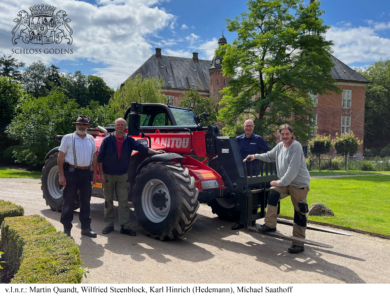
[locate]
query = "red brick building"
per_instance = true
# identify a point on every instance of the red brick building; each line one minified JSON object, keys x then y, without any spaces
{"x":334,"y":113}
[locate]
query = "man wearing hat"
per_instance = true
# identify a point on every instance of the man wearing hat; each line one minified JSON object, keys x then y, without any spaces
{"x":76,"y":155}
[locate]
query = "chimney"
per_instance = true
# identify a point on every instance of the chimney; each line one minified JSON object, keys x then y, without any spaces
{"x":195,"y":56}
{"x":158,"y":52}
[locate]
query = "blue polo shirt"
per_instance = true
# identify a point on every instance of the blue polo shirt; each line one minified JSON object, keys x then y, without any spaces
{"x":255,"y":144}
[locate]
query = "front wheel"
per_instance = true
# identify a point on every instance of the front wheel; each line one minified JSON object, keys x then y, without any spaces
{"x":52,"y":189}
{"x":165,"y":200}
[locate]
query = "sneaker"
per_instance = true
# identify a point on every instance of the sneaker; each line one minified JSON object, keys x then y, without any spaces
{"x":265,"y":229}
{"x":295,"y":249}
{"x":128,"y":232}
{"x":67,"y":232}
{"x":108,"y":230}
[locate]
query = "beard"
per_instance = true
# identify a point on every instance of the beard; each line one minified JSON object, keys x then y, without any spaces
{"x":81,"y":132}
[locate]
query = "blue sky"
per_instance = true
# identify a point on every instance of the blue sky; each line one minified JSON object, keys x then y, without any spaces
{"x":112,"y":38}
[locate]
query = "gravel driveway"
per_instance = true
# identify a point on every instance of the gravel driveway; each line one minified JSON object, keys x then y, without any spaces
{"x":210,"y":252}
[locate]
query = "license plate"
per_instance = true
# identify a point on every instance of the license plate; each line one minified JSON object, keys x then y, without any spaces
{"x":98,"y":185}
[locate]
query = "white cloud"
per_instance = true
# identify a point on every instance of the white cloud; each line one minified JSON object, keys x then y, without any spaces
{"x":113,"y":33}
{"x":192,"y":38}
{"x":178,"y":53}
{"x":184,"y":26}
{"x":360,"y":44}
{"x":208,"y":48}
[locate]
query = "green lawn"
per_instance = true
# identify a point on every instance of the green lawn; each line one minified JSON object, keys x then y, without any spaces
{"x":338,"y":173}
{"x":358,"y":202}
{"x":13,"y":173}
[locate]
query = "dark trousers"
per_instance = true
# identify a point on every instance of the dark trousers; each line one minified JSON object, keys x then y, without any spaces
{"x":77,"y":181}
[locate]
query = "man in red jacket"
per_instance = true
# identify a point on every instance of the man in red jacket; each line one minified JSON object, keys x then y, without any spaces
{"x":113,"y":160}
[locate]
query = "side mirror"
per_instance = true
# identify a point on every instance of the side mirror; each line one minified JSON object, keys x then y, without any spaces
{"x":135,"y":119}
{"x":134,"y":124}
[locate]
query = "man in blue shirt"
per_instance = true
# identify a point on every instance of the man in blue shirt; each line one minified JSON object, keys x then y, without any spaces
{"x":249,"y":144}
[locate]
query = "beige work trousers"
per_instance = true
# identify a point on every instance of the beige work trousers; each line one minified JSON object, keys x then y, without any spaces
{"x":298,"y":199}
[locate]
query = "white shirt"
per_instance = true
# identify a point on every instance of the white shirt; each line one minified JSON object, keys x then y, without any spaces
{"x":83,"y":149}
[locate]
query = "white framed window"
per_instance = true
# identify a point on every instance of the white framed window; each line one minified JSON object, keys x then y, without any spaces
{"x":345,"y":124}
{"x":347,"y":99}
{"x":170,"y":99}
{"x":314,"y":98}
{"x":314,"y":130}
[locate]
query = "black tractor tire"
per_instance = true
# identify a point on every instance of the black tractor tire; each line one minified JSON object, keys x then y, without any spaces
{"x":52,"y":190}
{"x":165,"y":200}
{"x":135,"y":161}
{"x":223,"y":207}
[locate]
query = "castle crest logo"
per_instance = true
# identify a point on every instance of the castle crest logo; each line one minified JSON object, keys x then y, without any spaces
{"x":42,"y":26}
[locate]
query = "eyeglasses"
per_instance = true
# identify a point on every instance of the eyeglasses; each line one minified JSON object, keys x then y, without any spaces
{"x":248,"y":125}
{"x":82,"y":124}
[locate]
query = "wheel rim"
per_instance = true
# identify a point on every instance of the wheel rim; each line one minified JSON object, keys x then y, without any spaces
{"x":156,"y":201}
{"x":225,"y":203}
{"x":54,"y":187}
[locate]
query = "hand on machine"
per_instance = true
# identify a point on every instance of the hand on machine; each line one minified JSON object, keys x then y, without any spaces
{"x":249,"y":158}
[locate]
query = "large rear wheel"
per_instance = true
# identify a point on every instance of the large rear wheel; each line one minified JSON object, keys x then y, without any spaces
{"x":165,"y":200}
{"x":52,"y":189}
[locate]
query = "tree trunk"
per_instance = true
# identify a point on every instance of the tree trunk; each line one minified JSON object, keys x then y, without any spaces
{"x":346,"y":157}
{"x":319,"y":162}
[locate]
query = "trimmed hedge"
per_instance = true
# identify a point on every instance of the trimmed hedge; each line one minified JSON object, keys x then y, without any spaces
{"x":8,"y":209}
{"x":36,"y":253}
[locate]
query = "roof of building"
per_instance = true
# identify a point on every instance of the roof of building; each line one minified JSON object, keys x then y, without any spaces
{"x":343,"y":72}
{"x":186,"y":73}
{"x":177,"y":72}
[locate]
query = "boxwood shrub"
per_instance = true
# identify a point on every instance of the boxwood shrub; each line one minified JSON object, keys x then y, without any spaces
{"x":8,"y":209}
{"x":37,"y":253}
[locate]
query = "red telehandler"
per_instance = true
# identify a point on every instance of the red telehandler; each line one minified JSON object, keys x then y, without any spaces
{"x":199,"y":166}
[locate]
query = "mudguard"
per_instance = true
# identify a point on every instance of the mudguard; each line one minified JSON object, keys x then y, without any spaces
{"x":158,"y":157}
{"x":55,"y":149}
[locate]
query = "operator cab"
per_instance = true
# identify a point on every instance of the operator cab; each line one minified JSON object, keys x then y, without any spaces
{"x":166,"y":116}
{"x":155,"y":114}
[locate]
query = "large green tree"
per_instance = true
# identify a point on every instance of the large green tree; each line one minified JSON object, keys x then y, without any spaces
{"x":279,"y":56}
{"x":137,"y":89}
{"x":200,"y":105}
{"x":9,"y":67}
{"x":377,"y":120}
{"x":98,"y":90}
{"x":10,"y":93}
{"x":33,"y":79}
{"x":39,"y":120}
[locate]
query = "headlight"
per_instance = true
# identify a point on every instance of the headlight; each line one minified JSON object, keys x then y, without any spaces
{"x":210,"y":184}
{"x":143,"y":142}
